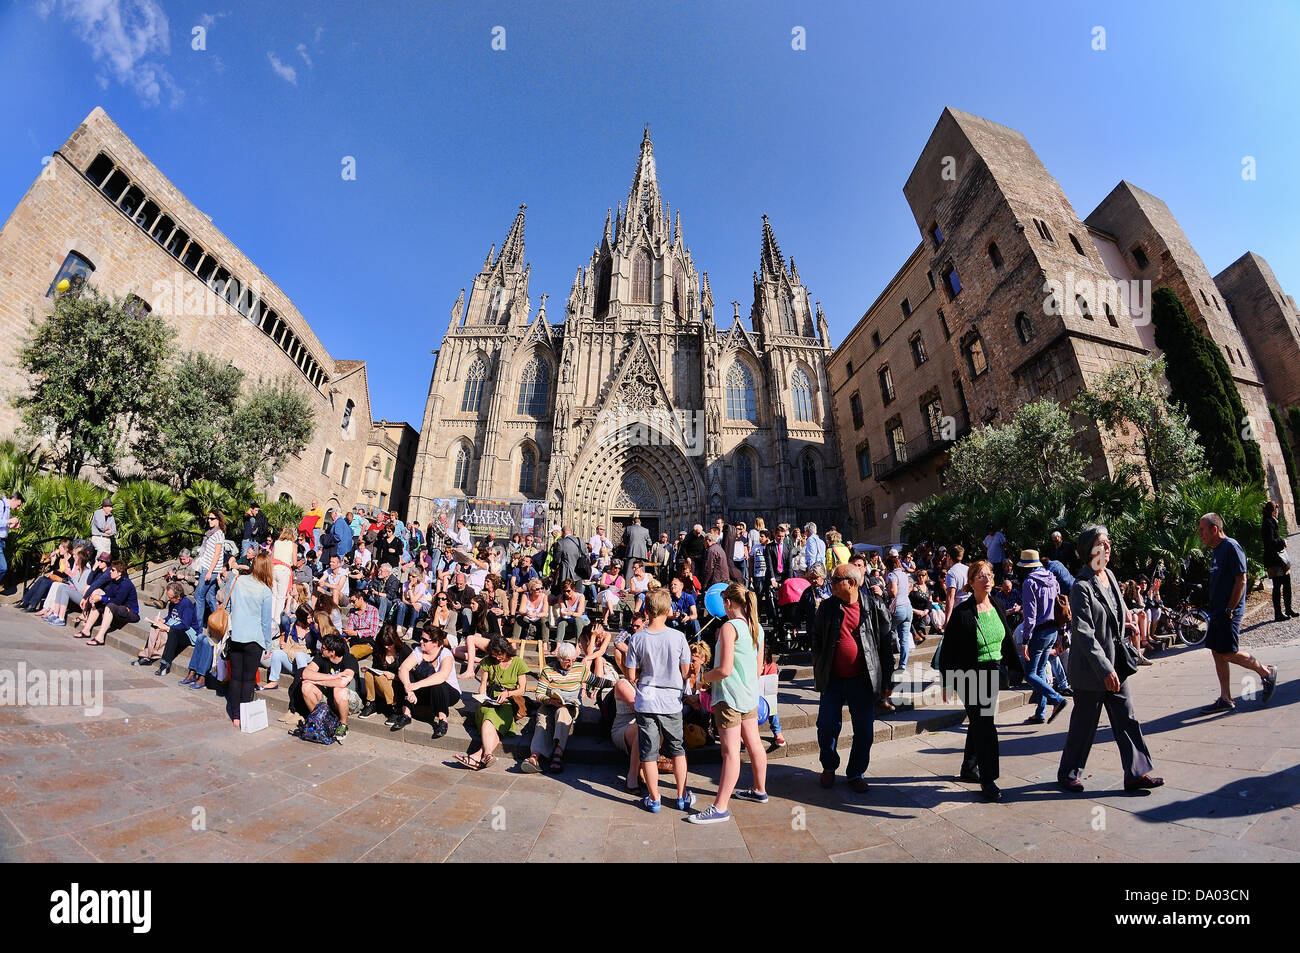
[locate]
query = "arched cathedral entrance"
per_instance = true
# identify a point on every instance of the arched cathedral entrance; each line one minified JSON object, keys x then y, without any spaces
{"x":612,"y":482}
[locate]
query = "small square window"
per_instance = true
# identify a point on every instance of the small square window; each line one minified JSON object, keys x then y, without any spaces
{"x":951,"y":281}
{"x":886,"y":385}
{"x":907,"y":308}
{"x":875,"y":339}
{"x":1140,"y":256}
{"x":855,"y":407}
{"x":936,"y":235}
{"x":1077,"y":247}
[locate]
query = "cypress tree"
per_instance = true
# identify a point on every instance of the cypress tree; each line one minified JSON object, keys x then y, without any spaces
{"x":1287,"y":456}
{"x":1200,"y":380}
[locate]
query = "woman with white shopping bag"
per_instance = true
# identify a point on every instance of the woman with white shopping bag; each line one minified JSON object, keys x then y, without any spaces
{"x":251,"y":631}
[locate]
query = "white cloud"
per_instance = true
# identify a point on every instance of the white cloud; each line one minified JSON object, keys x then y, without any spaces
{"x":125,"y":37}
{"x":302,"y":51}
{"x":283,"y":70}
{"x":319,"y":31}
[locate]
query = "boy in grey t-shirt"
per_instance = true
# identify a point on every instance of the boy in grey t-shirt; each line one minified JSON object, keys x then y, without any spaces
{"x":658,"y":661}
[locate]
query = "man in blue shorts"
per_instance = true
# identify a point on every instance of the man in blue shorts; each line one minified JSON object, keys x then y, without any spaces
{"x":1227,"y":607}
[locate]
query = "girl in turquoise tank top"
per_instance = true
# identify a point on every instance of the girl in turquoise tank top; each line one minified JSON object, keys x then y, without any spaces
{"x":734,"y":682}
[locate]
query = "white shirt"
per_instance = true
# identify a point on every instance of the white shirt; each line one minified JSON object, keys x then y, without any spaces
{"x":956,"y":579}
{"x":462,"y":537}
{"x":4,"y":517}
{"x":996,"y":543}
{"x":362,"y":557}
{"x":598,"y":543}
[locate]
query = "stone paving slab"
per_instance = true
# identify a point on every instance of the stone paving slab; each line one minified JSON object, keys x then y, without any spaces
{"x":133,"y":782}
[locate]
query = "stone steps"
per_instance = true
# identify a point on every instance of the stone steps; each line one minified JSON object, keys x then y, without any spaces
{"x":919,"y":709}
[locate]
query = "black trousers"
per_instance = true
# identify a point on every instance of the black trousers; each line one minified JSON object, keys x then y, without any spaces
{"x":40,"y":588}
{"x":440,"y":698}
{"x":177,"y":642}
{"x":1086,"y":713}
{"x":978,"y":689}
{"x":1281,"y":591}
{"x":244,"y":659}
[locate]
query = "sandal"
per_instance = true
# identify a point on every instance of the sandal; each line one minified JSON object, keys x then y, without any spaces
{"x":529,"y":766}
{"x":476,"y":764}
{"x":95,"y":642}
{"x":557,"y":764}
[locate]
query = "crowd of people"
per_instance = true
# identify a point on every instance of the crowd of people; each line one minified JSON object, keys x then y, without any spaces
{"x":671,"y":638}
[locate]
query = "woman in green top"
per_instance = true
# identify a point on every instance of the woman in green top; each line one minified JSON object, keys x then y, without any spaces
{"x":503,"y":677}
{"x":734,"y":686}
{"x":975,"y":640}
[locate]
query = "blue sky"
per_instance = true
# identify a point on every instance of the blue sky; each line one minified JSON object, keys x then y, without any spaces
{"x":451,"y":136}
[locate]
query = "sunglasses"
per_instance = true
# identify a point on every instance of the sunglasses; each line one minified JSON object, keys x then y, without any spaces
{"x":425,"y":638}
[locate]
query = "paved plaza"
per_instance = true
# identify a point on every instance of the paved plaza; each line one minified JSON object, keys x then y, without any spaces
{"x":161,"y":775}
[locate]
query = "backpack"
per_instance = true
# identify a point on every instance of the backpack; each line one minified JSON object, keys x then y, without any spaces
{"x":319,"y":727}
{"x":582,"y":569}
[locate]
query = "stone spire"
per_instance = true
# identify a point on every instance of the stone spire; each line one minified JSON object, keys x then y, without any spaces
{"x":677,"y":229}
{"x":512,"y":249}
{"x":794,"y":272}
{"x":772,"y":263}
{"x":644,"y":206}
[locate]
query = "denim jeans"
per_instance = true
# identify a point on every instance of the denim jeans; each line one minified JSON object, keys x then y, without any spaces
{"x":1040,"y":650}
{"x":856,"y":694}
{"x":406,"y":616}
{"x":280,"y":660}
{"x":4,"y":566}
{"x":1059,"y":679}
{"x":205,"y":598}
{"x":201,"y":657}
{"x":248,"y":546}
{"x":902,"y":632}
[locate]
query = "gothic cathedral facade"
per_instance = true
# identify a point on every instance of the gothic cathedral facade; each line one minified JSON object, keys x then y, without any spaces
{"x":638,"y":403}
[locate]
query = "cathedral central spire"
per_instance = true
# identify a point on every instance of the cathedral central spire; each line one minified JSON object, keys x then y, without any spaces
{"x":772,"y":262}
{"x":644,"y":206}
{"x":512,"y":249}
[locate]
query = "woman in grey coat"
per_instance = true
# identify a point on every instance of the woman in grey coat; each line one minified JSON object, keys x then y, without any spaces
{"x":1098,"y":630}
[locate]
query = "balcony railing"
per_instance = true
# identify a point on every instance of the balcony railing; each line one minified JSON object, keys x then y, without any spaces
{"x":919,"y":449}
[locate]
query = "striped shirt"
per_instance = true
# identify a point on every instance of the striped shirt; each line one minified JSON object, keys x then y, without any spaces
{"x":553,"y":681}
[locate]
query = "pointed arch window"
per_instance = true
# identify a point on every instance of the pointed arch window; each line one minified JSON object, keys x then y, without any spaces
{"x":641,"y":278}
{"x":460,"y":472}
{"x":801,"y":388}
{"x":745,"y":475}
{"x":497,"y":304}
{"x":473,"y":397}
{"x":527,"y":471}
{"x":741,"y":404}
{"x":1024,"y":328}
{"x":808,"y":467}
{"x":602,"y":288}
{"x":679,"y":295}
{"x":534,"y":388}
{"x":789,"y":323}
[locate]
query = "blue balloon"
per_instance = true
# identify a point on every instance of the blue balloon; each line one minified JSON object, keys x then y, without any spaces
{"x":713,"y":600}
{"x":762,"y":710}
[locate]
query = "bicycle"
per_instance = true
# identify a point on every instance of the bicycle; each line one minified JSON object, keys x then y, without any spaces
{"x":1190,"y":623}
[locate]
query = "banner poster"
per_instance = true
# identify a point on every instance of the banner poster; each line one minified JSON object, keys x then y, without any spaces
{"x":482,"y":516}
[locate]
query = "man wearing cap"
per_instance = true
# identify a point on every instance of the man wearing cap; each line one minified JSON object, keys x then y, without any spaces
{"x":103,"y":527}
{"x":1038,"y":594}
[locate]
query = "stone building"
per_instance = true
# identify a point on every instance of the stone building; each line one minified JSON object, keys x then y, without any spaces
{"x":102,"y":213}
{"x":638,"y":402}
{"x":390,"y":466}
{"x":1270,"y":323}
{"x":1008,"y":297}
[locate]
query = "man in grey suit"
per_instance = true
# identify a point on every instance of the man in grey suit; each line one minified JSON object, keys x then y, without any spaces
{"x":569,"y":549}
{"x":1098,"y":628}
{"x":637,"y":540}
